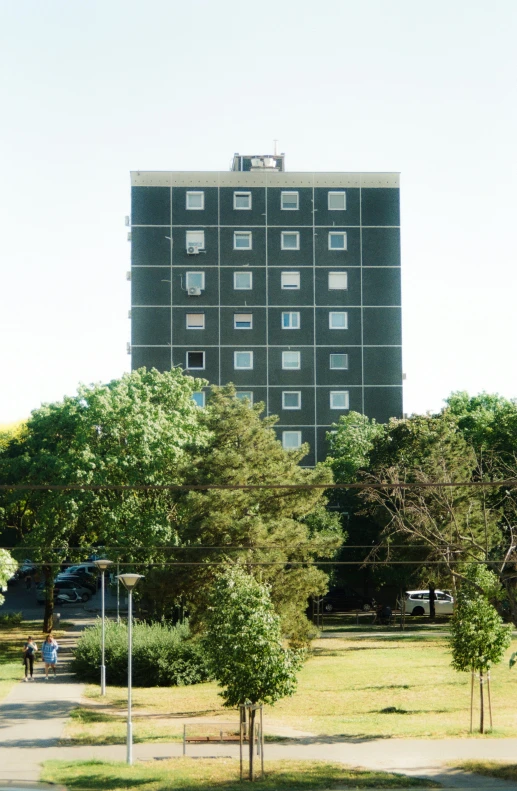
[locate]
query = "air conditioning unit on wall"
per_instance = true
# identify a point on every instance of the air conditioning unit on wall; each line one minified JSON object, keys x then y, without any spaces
{"x":192,"y":250}
{"x":194,"y":292}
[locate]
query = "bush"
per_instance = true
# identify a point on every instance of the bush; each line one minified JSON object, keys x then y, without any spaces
{"x":163,"y":656}
{"x":11,"y":619}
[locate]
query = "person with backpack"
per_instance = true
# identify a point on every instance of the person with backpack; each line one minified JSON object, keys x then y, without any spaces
{"x":29,"y":654}
{"x":49,"y":655}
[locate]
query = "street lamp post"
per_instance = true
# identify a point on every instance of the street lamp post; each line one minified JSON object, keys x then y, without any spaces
{"x":129,"y":581}
{"x":102,"y":565}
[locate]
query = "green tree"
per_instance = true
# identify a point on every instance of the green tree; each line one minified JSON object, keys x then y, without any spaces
{"x":276,"y":533}
{"x":8,"y":566}
{"x":478,"y":636}
{"x":243,"y":641}
{"x":132,"y":431}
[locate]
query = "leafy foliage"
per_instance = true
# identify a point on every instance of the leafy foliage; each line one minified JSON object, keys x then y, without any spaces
{"x":243,"y":642}
{"x":8,"y":566}
{"x":478,"y":637}
{"x":162,"y":655}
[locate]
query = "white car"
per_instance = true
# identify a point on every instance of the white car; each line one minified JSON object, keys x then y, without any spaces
{"x":417,"y":603}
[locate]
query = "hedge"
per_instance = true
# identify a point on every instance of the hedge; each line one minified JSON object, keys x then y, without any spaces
{"x":163,"y":656}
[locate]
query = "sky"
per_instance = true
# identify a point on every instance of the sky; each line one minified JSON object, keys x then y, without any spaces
{"x":90,"y":91}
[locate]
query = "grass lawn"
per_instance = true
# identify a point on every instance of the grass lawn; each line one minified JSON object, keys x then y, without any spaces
{"x":191,"y":774}
{"x":498,"y":769}
{"x":363,"y":687}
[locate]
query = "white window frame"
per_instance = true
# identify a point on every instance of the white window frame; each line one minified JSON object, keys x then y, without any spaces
{"x":191,"y":285}
{"x":284,"y":234}
{"x":202,"y":399}
{"x":291,"y":433}
{"x":290,"y":273}
{"x":336,"y":208}
{"x":195,"y":192}
{"x":242,"y":234}
{"x":235,"y":327}
{"x":243,"y":394}
{"x":290,"y":193}
{"x":199,"y":245}
{"x":291,"y":367}
{"x":241,"y":193}
{"x":196,"y":326}
{"x":337,"y":233}
{"x":340,"y":393}
{"x":239,"y":288}
{"x":195,"y":351}
{"x":338,"y":367}
{"x":338,"y":313}
{"x":343,"y":275}
{"x":242,"y":367}
{"x":292,"y":392}
{"x":291,"y":314}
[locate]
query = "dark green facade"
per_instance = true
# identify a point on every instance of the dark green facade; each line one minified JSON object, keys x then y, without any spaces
{"x":345,"y":267}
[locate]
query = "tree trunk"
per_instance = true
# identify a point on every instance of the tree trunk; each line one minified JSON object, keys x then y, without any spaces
{"x":48,"y":618}
{"x":251,"y":739}
{"x":432,"y":599}
{"x":481,"y":704}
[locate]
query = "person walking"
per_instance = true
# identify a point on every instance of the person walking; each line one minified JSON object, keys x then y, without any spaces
{"x":49,"y":655}
{"x":29,"y":654}
{"x":28,"y":582}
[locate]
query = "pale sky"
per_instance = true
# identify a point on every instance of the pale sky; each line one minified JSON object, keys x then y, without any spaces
{"x":90,"y":91}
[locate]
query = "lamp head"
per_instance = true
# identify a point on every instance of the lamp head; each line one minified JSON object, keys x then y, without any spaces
{"x":129,"y":581}
{"x":102,"y":564}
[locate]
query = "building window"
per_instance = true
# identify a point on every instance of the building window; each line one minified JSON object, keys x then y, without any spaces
{"x":290,"y":320}
{"x":337,"y":240}
{"x":242,"y":240}
{"x":199,"y":398}
{"x":337,"y":201}
{"x":195,"y":280}
{"x":291,"y":360}
{"x":338,"y":320}
{"x":245,"y":395}
{"x":290,"y":240}
{"x":291,"y":440}
{"x":243,"y":281}
{"x":195,"y":200}
{"x":338,"y":281}
{"x":289,"y":201}
{"x":242,"y":200}
{"x":291,"y":399}
{"x":290,"y":280}
{"x":195,"y":321}
{"x":243,"y":321}
{"x":195,"y":360}
{"x":339,"y":362}
{"x":339,"y":399}
{"x":243,"y":361}
{"x":195,"y":240}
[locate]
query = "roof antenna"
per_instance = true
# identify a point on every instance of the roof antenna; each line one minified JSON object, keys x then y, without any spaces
{"x":275,"y":141}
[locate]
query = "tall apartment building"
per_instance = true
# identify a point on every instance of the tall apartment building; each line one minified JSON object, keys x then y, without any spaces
{"x":286,"y":284}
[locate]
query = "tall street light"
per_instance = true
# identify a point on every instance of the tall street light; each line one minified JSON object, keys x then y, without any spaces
{"x":129,"y":581}
{"x":102,"y":565}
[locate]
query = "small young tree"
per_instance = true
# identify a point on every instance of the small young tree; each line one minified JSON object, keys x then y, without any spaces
{"x":478,"y":637}
{"x":244,"y":647}
{"x":8,"y":566}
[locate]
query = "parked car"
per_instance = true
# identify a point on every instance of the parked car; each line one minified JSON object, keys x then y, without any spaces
{"x":84,"y":580}
{"x":346,"y":598}
{"x":81,"y":568}
{"x":62,"y":585}
{"x":417,"y":603}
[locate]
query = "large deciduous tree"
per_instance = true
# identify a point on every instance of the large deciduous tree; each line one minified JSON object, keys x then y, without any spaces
{"x":132,"y":431}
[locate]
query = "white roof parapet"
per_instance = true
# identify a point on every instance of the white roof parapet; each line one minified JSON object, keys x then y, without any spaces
{"x":196,"y":178}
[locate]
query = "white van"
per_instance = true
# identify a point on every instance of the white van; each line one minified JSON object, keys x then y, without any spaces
{"x":417,"y":603}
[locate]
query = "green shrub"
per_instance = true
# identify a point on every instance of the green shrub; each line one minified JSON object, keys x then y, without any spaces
{"x":11,"y":619}
{"x":163,"y":656}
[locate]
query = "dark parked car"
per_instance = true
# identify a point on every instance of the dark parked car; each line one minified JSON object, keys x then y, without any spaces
{"x":346,"y":598}
{"x":86,"y":580}
{"x":62,"y":585}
